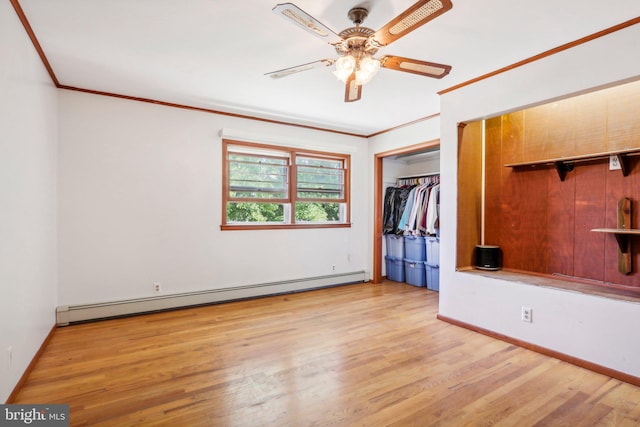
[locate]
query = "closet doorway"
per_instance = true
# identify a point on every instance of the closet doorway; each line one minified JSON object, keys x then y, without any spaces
{"x":378,"y":179}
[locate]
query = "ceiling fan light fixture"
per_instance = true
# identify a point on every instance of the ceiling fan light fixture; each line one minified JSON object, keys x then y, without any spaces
{"x":345,"y":66}
{"x":367,"y":69}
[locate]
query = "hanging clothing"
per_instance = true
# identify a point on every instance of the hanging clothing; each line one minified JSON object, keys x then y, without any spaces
{"x":395,"y":201}
{"x":404,"y":220}
{"x":432,"y":210}
{"x":416,"y":212}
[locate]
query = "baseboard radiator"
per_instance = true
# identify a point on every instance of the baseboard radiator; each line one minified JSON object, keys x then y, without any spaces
{"x":66,"y":315}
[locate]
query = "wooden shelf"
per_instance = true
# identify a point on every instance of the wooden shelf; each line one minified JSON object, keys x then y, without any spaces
{"x":617,"y":231}
{"x":622,"y":236}
{"x":564,"y":165}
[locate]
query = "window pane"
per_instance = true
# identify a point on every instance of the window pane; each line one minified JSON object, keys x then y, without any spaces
{"x":258,"y":177}
{"x":319,"y":162}
{"x":250,"y":212}
{"x":317,"y":212}
{"x":319,"y":178}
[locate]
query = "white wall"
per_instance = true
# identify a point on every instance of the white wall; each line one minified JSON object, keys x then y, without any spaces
{"x":424,"y":163}
{"x":140,"y":202}
{"x":416,"y":133}
{"x":409,"y":166}
{"x":587,"y":327}
{"x":27,"y":200}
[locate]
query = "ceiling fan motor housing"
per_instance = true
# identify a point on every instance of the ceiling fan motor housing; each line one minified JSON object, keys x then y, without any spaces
{"x":356,"y":39}
{"x":357,"y":15}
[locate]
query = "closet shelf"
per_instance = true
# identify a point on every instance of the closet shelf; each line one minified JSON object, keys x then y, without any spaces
{"x":564,"y":165}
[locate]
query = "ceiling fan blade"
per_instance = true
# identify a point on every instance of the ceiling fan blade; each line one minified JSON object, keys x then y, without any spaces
{"x":307,"y":22}
{"x":352,"y":92}
{"x":304,"y":67}
{"x":423,"y":68}
{"x":412,"y":18}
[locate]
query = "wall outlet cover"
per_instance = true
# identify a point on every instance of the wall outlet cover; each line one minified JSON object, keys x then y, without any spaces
{"x":614,"y":163}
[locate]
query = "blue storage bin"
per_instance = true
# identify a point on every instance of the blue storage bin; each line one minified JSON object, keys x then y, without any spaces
{"x":395,"y":269}
{"x":415,"y":273}
{"x":433,"y":250}
{"x":414,"y":248}
{"x":433,"y":277}
{"x":395,"y":246}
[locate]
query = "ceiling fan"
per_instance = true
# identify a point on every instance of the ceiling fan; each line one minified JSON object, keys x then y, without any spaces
{"x":356,"y":46}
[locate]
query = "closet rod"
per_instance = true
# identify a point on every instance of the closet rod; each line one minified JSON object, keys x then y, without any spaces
{"x":423,"y":175}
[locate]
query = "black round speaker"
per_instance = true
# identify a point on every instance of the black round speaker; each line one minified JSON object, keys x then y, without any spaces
{"x":488,"y":257}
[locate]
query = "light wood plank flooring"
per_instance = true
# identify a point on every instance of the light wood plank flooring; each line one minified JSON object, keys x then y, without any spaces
{"x":358,"y":355}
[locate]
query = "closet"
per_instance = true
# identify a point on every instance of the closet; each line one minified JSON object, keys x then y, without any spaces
{"x":410,"y":223}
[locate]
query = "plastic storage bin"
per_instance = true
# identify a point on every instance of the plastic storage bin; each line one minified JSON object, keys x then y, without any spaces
{"x":414,"y":248}
{"x":433,"y":277}
{"x":395,"y":246}
{"x":414,"y":272}
{"x":433,"y":250}
{"x":395,"y":269}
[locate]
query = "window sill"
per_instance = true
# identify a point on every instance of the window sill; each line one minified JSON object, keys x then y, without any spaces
{"x":235,"y":227}
{"x":604,"y":290}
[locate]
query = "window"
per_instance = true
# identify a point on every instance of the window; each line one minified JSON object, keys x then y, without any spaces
{"x":277,"y":187}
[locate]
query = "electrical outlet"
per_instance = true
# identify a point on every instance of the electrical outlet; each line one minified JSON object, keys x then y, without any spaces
{"x":527,"y":314}
{"x":333,"y":268}
{"x":614,"y":163}
{"x":157,"y":287}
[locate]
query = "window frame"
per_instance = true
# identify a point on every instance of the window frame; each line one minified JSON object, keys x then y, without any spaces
{"x":292,"y":190}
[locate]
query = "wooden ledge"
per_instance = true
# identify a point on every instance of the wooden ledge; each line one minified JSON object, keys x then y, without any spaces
{"x":584,"y":286}
{"x":564,"y":165}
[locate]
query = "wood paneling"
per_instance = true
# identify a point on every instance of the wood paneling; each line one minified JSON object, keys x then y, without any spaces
{"x":549,"y":131}
{"x":469,"y":192}
{"x":542,"y":223}
{"x":493,"y":181}
{"x":589,"y":213}
{"x":602,"y":121}
{"x":513,"y":137}
{"x":515,"y":199}
{"x":535,"y":144}
{"x":358,"y":355}
{"x":560,"y":223}
{"x":623,"y":128}
{"x":590,"y":125}
{"x":560,"y":117}
{"x":524,"y":219}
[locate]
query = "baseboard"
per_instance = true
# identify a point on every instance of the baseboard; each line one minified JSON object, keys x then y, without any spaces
{"x":631,"y":379}
{"x":32,"y":364}
{"x":66,"y":315}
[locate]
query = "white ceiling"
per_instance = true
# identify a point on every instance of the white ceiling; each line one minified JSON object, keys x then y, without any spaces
{"x":214,"y":53}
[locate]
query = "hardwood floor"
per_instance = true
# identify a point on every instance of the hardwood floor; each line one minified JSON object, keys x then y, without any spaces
{"x":366,"y":355}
